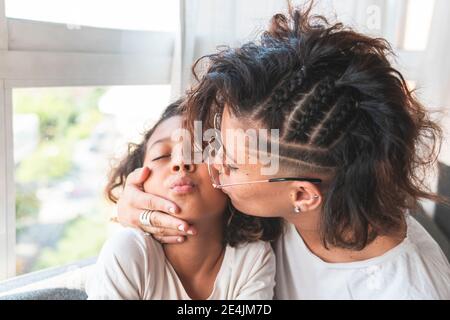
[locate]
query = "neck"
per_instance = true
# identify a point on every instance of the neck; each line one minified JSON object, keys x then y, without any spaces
{"x":307,"y":226}
{"x":200,"y":254}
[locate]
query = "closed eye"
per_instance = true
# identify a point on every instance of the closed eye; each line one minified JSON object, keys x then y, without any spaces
{"x":232,"y":168}
{"x":161,"y":157}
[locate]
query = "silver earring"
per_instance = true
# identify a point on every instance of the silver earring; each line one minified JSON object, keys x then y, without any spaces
{"x":297,"y":209}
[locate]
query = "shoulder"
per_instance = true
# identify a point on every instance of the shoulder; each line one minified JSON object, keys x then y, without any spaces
{"x":255,"y":248}
{"x":420,"y":237}
{"x":251,"y":255}
{"x":425,"y":264}
{"x":415,"y":269}
{"x":425,"y":248}
{"x":126,"y":240}
{"x":125,"y":266}
{"x":129,"y":246}
{"x":252,"y":270}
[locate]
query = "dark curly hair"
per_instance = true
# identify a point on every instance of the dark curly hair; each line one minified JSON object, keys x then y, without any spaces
{"x":342,"y":110}
{"x":240,"y":228}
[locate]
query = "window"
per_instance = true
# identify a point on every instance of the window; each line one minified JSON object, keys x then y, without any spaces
{"x":408,"y":26}
{"x":64,"y":141}
{"x":417,"y":25}
{"x":60,"y":87}
{"x":134,"y":14}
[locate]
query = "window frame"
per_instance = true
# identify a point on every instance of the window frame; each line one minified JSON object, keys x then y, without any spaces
{"x":80,"y":56}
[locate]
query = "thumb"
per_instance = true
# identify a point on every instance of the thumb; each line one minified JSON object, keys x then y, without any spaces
{"x":144,"y":174}
{"x":138,"y":176}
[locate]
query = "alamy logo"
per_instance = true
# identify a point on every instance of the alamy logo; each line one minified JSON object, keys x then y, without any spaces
{"x":252,"y":146}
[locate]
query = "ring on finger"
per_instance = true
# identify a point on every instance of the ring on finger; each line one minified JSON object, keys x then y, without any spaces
{"x":145,"y":218}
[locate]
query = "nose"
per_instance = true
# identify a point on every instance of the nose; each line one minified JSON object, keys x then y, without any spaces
{"x":180,"y":166}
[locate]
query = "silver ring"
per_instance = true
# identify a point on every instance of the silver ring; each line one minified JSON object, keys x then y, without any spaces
{"x":145,"y":218}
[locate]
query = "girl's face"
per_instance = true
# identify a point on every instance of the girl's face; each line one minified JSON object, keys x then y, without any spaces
{"x":188,"y":185}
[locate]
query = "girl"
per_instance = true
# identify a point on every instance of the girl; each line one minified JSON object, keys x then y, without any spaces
{"x":225,"y":261}
{"x":353,"y":141}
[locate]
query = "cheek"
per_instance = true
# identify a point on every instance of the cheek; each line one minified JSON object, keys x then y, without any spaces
{"x":241,"y":193}
{"x":149,"y":185}
{"x":257,"y":201}
{"x":244,"y":198}
{"x":154,"y":183}
{"x":213,"y":199}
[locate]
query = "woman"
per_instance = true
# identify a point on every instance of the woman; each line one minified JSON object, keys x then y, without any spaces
{"x":225,"y":260}
{"x":355,"y":145}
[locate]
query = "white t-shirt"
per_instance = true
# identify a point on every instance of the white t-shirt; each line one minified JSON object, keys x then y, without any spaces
{"x":415,"y":269}
{"x":132,"y":265}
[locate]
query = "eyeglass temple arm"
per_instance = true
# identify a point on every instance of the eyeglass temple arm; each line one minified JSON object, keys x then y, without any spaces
{"x":312,"y":180}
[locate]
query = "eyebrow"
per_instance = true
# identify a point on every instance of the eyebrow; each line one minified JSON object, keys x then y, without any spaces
{"x":158,"y":141}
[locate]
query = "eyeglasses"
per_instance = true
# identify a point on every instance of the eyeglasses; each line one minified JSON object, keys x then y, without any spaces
{"x":217,"y":153}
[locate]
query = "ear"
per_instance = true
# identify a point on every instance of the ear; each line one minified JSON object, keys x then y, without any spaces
{"x":305,"y":196}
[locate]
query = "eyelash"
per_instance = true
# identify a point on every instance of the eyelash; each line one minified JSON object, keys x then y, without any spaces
{"x":161,"y":157}
{"x":168,"y":155}
{"x":231,"y":168}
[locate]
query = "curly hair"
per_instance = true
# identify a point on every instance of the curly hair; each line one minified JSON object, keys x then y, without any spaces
{"x":240,"y":228}
{"x":342,"y":110}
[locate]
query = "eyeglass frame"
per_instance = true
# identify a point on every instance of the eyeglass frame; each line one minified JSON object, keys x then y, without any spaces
{"x":220,"y":186}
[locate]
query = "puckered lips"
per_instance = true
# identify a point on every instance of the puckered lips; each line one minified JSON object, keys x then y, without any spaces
{"x":182,"y":185}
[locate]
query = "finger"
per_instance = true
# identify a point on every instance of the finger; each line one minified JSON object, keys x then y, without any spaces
{"x":144,"y":174}
{"x":171,"y":239}
{"x":166,"y":221}
{"x":130,"y":217}
{"x":142,"y":200}
{"x":162,"y":232}
{"x":138,"y":176}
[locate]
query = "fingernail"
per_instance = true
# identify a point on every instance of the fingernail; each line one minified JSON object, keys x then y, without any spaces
{"x":171,"y":209}
{"x":190,"y":232}
{"x":181,"y":227}
{"x":180,"y":239}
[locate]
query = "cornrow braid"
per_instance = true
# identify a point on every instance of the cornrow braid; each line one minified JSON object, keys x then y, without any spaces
{"x":308,"y":112}
{"x":285,"y":93}
{"x":337,"y":122}
{"x":288,"y":89}
{"x":307,"y":156}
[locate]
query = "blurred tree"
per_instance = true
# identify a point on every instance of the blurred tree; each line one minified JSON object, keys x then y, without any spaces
{"x":83,"y":238}
{"x":27,"y":206}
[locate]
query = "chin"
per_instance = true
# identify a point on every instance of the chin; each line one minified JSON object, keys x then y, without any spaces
{"x":191,"y":209}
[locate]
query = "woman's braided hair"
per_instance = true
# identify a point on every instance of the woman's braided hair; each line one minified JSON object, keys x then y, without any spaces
{"x":342,"y":110}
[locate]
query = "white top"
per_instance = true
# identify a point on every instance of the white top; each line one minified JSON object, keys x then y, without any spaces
{"x":132,"y":265}
{"x":415,"y":269}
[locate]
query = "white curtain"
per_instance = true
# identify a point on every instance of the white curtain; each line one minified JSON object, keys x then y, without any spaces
{"x":434,"y":71}
{"x":206,"y":24}
{"x":433,"y":77}
{"x":433,"y":81}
